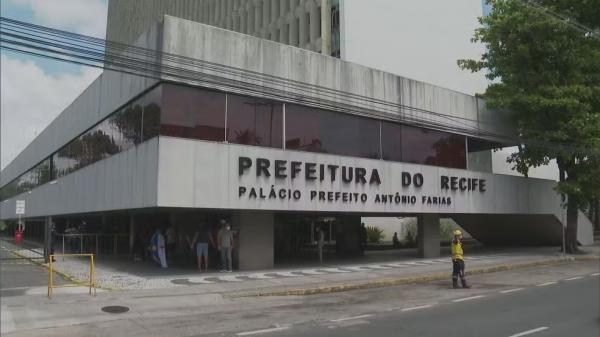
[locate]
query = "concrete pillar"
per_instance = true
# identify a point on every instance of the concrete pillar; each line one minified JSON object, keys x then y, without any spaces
{"x":428,"y":235}
{"x":255,"y":238}
{"x":48,"y":238}
{"x":132,"y":233}
{"x":293,"y":31}
{"x":348,"y":233}
{"x":326,"y":27}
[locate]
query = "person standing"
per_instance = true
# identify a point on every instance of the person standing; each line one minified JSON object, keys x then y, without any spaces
{"x":225,"y":242}
{"x":171,"y":235}
{"x":202,"y":239}
{"x":320,"y":243}
{"x":395,"y":240}
{"x":363,"y":236}
{"x":158,"y":248}
{"x":458,"y":262}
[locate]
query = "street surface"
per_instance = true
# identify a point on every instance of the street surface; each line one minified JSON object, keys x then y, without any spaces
{"x":499,"y":304}
{"x":570,"y":307}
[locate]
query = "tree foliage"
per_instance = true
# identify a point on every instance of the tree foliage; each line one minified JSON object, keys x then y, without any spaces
{"x":546,"y":70}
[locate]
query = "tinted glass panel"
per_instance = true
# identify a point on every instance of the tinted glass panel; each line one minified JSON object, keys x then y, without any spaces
{"x":64,"y":163}
{"x":317,"y":130}
{"x":391,"y":141}
{"x":127,"y":124}
{"x":151,"y":118}
{"x":193,"y":113}
{"x":253,"y":121}
{"x":421,"y":146}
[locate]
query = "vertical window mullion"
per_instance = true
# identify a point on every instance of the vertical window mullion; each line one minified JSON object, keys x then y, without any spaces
{"x":466,"y":153}
{"x":380,"y":141}
{"x":226,"y":117}
{"x":284,"y":126}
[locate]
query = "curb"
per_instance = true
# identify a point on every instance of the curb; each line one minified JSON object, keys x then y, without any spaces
{"x":417,"y":279}
{"x":64,"y":275}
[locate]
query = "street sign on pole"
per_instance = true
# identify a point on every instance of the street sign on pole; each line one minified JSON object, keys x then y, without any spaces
{"x":20,"y":209}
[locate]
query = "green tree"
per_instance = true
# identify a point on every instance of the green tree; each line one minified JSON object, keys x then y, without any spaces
{"x":546,"y":70}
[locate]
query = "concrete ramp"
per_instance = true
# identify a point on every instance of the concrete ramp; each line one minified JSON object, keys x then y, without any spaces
{"x":510,"y":229}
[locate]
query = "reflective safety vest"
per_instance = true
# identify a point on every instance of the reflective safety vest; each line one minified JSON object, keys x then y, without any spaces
{"x":457,"y":251}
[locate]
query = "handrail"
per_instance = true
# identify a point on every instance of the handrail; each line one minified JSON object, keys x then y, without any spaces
{"x":87,"y":236}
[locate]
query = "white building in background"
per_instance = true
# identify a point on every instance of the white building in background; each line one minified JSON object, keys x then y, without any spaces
{"x":421,"y":39}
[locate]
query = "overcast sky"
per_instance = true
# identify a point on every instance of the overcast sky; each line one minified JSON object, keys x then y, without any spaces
{"x":34,"y":90}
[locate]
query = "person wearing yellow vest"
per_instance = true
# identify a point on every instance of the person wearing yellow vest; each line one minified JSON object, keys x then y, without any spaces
{"x":458,"y":261}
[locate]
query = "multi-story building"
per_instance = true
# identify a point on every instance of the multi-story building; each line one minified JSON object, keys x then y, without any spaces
{"x":274,"y":139}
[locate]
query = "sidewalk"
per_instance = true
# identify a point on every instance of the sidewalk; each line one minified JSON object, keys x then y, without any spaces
{"x":123,"y":275}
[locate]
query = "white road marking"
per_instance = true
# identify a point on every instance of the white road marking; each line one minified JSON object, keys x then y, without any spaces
{"x":396,"y":265}
{"x":259,"y":276}
{"x":574,"y":278}
{"x":415,"y":263}
{"x":428,"y":262}
{"x":377,"y":266}
{"x":199,"y":280}
{"x":229,"y":278}
{"x":546,"y":284}
{"x":286,"y":274}
{"x":334,"y":270}
{"x":467,"y":298}
{"x":310,"y":272}
{"x":15,"y":288}
{"x":595,"y":274}
{"x":358,"y":268}
{"x":350,"y":318}
{"x":418,"y":308}
{"x":529,"y":332}
{"x":257,"y":332}
{"x":511,"y":290}
{"x":8,"y":323}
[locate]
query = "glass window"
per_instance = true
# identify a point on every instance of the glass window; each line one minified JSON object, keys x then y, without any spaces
{"x":127,"y":124}
{"x":253,"y":121}
{"x":315,"y":130}
{"x":193,"y":113}
{"x":151,"y":117}
{"x":391,"y":141}
{"x":44,"y":171}
{"x":422,"y":146}
{"x":64,"y":162}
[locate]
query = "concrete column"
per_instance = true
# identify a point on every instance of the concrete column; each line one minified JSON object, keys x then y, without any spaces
{"x":255,"y":238}
{"x":429,"y":235}
{"x":132,"y":233}
{"x":47,"y":238}
{"x":326,"y":27}
{"x":293,"y":31}
{"x":348,"y":236}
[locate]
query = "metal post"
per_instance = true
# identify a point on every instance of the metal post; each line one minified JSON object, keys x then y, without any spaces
{"x":80,"y":243}
{"x":50,"y":278}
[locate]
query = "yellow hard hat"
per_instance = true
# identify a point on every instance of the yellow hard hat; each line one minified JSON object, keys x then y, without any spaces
{"x":457,"y":232}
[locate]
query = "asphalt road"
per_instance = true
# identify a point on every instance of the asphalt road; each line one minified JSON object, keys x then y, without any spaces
{"x":565,"y":308}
